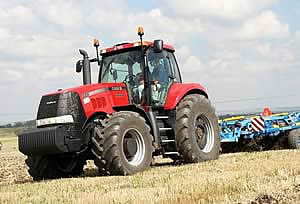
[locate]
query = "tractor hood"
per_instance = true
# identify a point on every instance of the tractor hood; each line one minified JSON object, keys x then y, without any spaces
{"x":93,"y":98}
{"x":85,"y":89}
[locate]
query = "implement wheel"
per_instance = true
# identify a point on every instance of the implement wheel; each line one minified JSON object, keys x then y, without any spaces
{"x":197,"y":129}
{"x":294,"y":139}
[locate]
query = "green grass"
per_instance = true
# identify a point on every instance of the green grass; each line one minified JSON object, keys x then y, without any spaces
{"x":241,"y":177}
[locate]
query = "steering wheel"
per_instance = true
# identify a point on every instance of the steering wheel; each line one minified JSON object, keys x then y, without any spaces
{"x":127,"y":78}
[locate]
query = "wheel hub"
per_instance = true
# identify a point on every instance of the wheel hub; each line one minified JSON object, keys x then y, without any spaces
{"x":133,"y":147}
{"x":204,"y":133}
{"x":130,"y":147}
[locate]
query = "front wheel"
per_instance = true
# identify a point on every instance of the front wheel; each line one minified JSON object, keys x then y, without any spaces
{"x":197,"y":130}
{"x":122,"y":145}
{"x":54,"y":167}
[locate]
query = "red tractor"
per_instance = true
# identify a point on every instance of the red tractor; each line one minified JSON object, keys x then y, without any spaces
{"x":138,"y":109}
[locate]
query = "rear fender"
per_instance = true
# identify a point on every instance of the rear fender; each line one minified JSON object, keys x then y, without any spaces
{"x":137,"y":109}
{"x":178,"y":90}
{"x":149,"y":118}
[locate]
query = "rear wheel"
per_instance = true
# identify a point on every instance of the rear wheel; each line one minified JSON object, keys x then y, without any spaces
{"x":50,"y":167}
{"x":123,"y":144}
{"x":197,"y":130}
{"x":294,"y":139}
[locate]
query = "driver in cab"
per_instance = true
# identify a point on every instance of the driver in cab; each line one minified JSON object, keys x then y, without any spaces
{"x":157,"y":75}
{"x":158,"y":72}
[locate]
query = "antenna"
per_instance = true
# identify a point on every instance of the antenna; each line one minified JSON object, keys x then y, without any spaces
{"x":147,"y":83}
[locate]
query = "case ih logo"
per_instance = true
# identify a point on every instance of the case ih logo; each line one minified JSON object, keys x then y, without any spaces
{"x":51,"y":102}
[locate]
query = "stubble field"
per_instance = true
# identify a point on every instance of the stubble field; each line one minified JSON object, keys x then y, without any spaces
{"x":260,"y":177}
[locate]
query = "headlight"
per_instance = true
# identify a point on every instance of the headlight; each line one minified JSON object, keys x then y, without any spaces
{"x":55,"y":120}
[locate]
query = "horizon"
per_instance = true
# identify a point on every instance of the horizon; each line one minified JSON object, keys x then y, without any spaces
{"x":219,"y":113}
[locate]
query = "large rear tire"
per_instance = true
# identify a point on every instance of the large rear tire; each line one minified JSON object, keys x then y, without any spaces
{"x":197,"y":129}
{"x":122,"y":145}
{"x":294,"y":139}
{"x":50,"y":167}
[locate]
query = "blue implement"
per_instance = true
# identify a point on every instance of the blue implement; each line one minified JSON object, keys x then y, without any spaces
{"x":249,"y":127}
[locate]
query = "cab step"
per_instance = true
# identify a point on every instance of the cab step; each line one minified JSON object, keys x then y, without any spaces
{"x":159,"y":117}
{"x":167,"y":141}
{"x":164,"y":129}
{"x":171,"y":153}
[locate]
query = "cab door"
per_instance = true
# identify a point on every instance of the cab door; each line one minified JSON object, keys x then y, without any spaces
{"x":163,"y":72}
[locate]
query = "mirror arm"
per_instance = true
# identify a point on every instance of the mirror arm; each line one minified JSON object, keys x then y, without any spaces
{"x":96,"y":60}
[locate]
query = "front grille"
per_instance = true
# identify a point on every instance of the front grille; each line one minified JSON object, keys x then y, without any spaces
{"x":48,"y":106}
{"x":43,"y":141}
{"x":68,"y":103}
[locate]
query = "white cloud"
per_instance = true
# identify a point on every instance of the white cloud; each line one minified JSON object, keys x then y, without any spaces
{"x":266,"y":25}
{"x":297,"y":35}
{"x":156,"y":25}
{"x":221,"y":9}
{"x":14,"y":75}
{"x":10,"y":76}
{"x":64,"y":13}
{"x":4,"y":34}
{"x":273,"y":52}
{"x":193,"y":65}
{"x":18,"y":15}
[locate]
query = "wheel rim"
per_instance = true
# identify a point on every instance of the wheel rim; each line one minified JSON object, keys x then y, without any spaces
{"x":137,"y":156}
{"x":204,"y":133}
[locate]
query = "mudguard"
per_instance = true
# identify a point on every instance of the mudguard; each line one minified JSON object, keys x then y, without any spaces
{"x":178,"y":90}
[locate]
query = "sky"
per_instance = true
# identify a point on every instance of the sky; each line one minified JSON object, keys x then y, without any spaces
{"x":245,"y":52}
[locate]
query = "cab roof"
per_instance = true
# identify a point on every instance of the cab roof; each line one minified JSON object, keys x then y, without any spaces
{"x":124,"y":46}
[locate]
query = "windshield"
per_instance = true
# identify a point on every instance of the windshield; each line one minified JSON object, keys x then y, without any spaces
{"x":126,"y":67}
{"x":122,"y":67}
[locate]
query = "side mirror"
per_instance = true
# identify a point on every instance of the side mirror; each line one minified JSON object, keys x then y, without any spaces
{"x":79,"y":66}
{"x":115,"y":75}
{"x":158,"y":46}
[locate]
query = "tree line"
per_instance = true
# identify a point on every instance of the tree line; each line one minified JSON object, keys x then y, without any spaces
{"x":23,"y":124}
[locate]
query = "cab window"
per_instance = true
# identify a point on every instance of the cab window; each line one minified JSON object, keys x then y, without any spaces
{"x":121,"y":67}
{"x":174,"y":67}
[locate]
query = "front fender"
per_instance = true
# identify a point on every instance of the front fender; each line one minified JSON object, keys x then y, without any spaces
{"x":178,"y":90}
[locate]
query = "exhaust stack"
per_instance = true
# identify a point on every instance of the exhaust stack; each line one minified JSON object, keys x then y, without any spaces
{"x":86,"y":66}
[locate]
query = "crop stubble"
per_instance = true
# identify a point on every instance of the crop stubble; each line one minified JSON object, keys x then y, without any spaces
{"x":264,"y":177}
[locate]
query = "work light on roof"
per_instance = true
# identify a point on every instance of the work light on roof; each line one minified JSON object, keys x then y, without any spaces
{"x":96,"y":42}
{"x":140,"y":31}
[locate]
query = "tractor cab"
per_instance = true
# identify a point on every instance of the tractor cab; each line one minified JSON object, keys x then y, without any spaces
{"x":123,"y":63}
